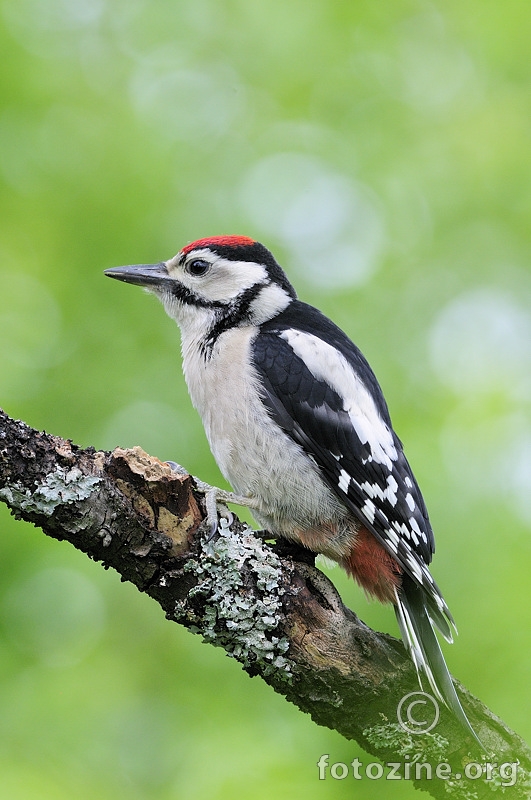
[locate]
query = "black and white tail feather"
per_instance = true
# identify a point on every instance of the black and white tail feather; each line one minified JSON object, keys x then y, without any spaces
{"x":417,"y":628}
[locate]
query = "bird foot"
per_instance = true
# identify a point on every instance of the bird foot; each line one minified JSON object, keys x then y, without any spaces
{"x":215,"y":501}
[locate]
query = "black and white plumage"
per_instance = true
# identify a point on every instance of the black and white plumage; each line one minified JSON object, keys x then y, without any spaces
{"x":299,"y":426}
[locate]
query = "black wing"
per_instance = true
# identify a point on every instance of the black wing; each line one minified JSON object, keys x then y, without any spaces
{"x":350,"y":438}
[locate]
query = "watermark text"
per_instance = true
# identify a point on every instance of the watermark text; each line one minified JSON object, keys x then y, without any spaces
{"x":504,"y":774}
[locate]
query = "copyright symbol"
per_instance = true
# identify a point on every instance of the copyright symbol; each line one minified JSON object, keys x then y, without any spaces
{"x":418,"y":712}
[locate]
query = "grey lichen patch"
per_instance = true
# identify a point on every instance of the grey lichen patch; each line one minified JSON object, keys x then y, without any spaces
{"x":242,"y":616}
{"x":61,"y":486}
{"x":507,"y":777}
{"x":391,"y":736}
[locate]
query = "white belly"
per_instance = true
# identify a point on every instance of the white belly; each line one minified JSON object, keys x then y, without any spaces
{"x":253,"y":456}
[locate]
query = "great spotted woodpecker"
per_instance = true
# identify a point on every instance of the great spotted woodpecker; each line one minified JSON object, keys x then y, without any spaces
{"x":298,"y":425}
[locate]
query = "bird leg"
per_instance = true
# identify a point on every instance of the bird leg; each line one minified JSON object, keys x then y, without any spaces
{"x":215,"y":500}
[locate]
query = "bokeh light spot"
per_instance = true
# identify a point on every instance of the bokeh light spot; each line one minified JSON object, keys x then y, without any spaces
{"x":481,"y":343}
{"x":332,"y":225}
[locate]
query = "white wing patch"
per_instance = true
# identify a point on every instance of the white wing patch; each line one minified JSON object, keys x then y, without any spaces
{"x":330,"y":366}
{"x":389,"y":494}
{"x":344,"y":481}
{"x":369,"y":511}
{"x":416,"y":529}
{"x":393,"y":538}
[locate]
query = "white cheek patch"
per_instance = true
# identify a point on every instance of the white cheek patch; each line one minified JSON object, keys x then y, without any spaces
{"x":228,"y":279}
{"x":225,"y":280}
{"x":329,"y":365}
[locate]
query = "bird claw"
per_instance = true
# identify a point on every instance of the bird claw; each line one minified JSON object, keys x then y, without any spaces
{"x":215,"y":511}
{"x":177,"y":468}
{"x":216,"y":524}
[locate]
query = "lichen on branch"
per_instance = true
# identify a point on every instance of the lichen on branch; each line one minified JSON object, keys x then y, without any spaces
{"x":265,"y":604}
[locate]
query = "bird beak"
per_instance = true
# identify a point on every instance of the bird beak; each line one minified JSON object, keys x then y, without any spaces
{"x":141,"y":274}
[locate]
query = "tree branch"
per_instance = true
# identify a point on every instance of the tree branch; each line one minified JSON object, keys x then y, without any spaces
{"x":265,"y":604}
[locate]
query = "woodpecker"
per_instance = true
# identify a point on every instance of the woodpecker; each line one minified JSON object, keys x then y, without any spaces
{"x":299,"y":426}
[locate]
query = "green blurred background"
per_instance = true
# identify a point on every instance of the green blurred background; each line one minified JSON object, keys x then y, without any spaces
{"x":383,"y":152}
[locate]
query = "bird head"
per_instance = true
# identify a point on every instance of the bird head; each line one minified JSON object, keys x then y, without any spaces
{"x":222,"y":277}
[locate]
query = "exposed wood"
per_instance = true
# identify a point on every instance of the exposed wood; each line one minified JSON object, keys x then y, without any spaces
{"x":265,"y":604}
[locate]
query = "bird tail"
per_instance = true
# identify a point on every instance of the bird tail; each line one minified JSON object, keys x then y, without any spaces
{"x":413,"y":609}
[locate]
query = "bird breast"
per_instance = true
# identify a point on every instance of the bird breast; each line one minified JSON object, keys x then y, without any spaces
{"x":254,"y":455}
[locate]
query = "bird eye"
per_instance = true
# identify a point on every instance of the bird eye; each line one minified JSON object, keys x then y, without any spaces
{"x":197,"y":267}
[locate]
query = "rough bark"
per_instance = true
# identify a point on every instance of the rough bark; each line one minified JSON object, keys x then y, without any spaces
{"x":266,"y":604}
